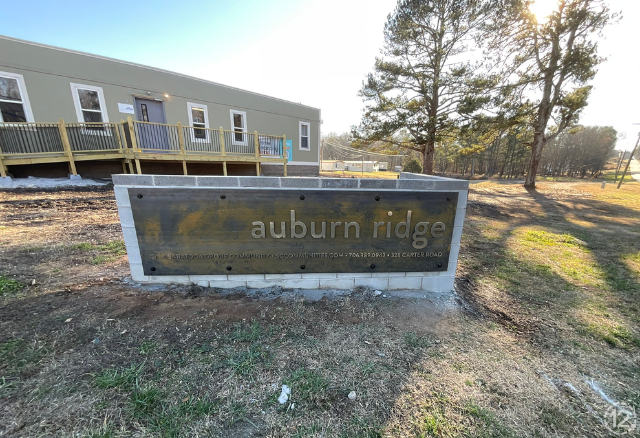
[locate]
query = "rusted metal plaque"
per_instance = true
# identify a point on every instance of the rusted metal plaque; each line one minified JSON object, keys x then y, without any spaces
{"x":272,"y":231}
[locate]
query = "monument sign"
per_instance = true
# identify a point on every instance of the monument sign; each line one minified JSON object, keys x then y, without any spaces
{"x":295,"y":232}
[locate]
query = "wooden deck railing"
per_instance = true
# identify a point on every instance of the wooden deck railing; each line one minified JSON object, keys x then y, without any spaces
{"x":132,"y":141}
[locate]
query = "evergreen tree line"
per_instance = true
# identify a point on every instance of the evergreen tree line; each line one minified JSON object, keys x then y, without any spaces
{"x":579,"y":153}
{"x":488,"y":86}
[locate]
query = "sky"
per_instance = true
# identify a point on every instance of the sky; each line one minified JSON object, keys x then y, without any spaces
{"x":315,"y":52}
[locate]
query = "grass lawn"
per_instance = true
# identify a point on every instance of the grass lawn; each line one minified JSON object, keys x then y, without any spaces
{"x":547,"y":314}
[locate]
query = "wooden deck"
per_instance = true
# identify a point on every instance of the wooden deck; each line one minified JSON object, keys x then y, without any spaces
{"x":132,"y":142}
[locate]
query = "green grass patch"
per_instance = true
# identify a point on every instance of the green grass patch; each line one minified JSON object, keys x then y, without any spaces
{"x":84,"y":247}
{"x":8,"y":286}
{"x":552,"y":239}
{"x":367,"y":369}
{"x":442,"y":417}
{"x":244,"y":333}
{"x":245,"y":362}
{"x":487,"y":424}
{"x":124,"y":378}
{"x":147,"y":347}
{"x":163,"y":417}
{"x":309,"y":388}
{"x":17,"y":356}
{"x":110,"y":251}
{"x":414,"y":341}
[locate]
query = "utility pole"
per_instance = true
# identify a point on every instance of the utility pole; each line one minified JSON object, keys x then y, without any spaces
{"x":619,"y":165}
{"x":629,"y":162}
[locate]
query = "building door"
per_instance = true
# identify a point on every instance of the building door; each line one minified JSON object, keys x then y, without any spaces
{"x":150,"y":136}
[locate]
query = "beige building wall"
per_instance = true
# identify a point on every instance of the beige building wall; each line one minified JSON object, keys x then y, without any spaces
{"x":49,"y":71}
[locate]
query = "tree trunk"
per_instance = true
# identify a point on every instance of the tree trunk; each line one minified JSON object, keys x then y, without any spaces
{"x":536,"y":152}
{"x":427,"y":158}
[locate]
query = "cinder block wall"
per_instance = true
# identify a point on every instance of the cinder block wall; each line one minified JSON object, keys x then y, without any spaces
{"x":419,"y":281}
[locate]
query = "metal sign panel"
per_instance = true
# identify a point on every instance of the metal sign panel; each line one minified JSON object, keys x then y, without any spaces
{"x":276,"y":231}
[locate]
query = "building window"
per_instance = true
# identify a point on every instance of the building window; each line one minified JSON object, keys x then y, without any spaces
{"x":305,"y":128}
{"x":239,"y":127}
{"x":14,"y":102}
{"x":90,"y":105}
{"x":199,"y":120}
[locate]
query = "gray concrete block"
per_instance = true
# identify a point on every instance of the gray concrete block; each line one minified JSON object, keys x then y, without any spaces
{"x":132,"y":180}
{"x":137,"y":273}
{"x":130,"y":236}
{"x":300,"y":284}
{"x":202,"y":283}
{"x":409,"y":175}
{"x":453,"y":255}
{"x":122,"y":196}
{"x":459,"y":220}
{"x":174,"y":180}
{"x":196,"y":278}
{"x":302,"y":183}
{"x":227,"y":284}
{"x":259,"y":284}
{"x":454,"y":184}
{"x":126,"y":217}
{"x":445,"y":284}
{"x":217,"y":181}
{"x":369,"y":183}
{"x":337,"y":283}
{"x":339,"y":183}
{"x":133,"y":253}
{"x":457,"y":235}
{"x":415,"y":184}
{"x":431,"y":284}
{"x":282,"y":276}
{"x":73,"y":177}
{"x":259,"y":181}
{"x":451,"y":269}
{"x":318,"y":275}
{"x":373,"y":283}
{"x":354,"y":275}
{"x":176,"y":279}
{"x":6,"y":181}
{"x":387,"y":274}
{"x":246,"y":277}
{"x":422,"y":274}
{"x":400,"y":283}
{"x":462,"y":199}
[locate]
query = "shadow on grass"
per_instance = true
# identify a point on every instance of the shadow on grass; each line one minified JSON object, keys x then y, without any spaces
{"x":545,"y":253}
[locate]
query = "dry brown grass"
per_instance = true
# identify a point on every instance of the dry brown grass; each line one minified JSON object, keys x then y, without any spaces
{"x":549,"y":285}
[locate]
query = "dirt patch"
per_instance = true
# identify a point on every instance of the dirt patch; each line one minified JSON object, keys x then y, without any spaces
{"x":547,"y":304}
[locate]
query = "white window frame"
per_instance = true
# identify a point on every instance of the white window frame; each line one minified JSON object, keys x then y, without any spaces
{"x":22,"y":87}
{"x":190,"y":106}
{"x":103,"y":107}
{"x":244,"y":128}
{"x":308,"y":136}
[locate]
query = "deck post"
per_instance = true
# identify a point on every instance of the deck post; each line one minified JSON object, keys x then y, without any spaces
{"x":3,"y":172}
{"x":134,"y":143}
{"x":67,"y":146}
{"x":182,"y":152}
{"x":120,"y":148}
{"x":223,"y":152}
{"x":285,"y":155}
{"x":256,"y":143}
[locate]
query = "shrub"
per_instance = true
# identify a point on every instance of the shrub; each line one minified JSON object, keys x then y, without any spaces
{"x":412,"y":166}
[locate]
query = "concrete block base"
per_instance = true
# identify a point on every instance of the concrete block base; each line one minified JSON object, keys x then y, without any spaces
{"x":73,"y":177}
{"x":5,"y":181}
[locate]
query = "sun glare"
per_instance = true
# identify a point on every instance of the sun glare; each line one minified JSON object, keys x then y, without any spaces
{"x":543,"y":8}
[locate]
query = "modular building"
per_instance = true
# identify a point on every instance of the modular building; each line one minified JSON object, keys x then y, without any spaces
{"x":63,"y":110}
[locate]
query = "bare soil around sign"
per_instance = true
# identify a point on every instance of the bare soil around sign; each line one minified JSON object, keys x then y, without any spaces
{"x":544,"y":337}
